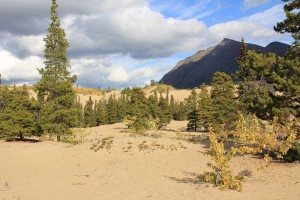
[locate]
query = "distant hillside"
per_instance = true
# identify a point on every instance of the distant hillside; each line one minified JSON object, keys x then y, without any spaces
{"x":200,"y":68}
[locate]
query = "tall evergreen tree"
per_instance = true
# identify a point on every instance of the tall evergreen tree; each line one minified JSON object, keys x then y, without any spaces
{"x":291,"y":24}
{"x":194,"y":120}
{"x":192,"y":101}
{"x":204,"y":107}
{"x":89,"y":115}
{"x":55,"y":87}
{"x":101,"y":116}
{"x":164,"y":114}
{"x":223,"y":101}
{"x":112,"y":110}
{"x":16,"y":116}
{"x":153,"y":105}
{"x":255,"y":94}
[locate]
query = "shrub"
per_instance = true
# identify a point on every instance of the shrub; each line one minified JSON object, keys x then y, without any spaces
{"x":293,"y":154}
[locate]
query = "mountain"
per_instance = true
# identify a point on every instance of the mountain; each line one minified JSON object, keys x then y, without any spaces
{"x":200,"y":68}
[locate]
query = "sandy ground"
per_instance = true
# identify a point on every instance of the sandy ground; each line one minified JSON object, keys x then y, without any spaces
{"x":166,"y":169}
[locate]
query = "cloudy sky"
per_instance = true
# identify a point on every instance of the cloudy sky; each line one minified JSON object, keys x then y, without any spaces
{"x":120,"y":43}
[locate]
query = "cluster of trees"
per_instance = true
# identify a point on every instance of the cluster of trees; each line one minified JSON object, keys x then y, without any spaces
{"x":267,"y":85}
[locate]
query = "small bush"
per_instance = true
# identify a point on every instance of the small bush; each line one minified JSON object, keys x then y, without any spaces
{"x":293,"y":154}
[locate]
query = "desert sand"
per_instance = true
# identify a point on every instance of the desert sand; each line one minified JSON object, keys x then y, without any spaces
{"x":142,"y":167}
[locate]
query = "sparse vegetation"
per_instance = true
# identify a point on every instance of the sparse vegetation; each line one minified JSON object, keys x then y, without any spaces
{"x":249,"y":137}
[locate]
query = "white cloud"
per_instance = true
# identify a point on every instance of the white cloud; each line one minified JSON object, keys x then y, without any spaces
{"x":14,"y":69}
{"x":267,"y":18}
{"x":23,"y":46}
{"x":103,"y":32}
{"x":254,"y":3}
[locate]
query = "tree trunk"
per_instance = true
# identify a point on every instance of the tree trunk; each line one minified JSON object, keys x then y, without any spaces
{"x":58,"y":138}
{"x":21,"y":136}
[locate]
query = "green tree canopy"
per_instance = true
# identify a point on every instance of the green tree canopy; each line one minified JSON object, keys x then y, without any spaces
{"x":55,"y":87}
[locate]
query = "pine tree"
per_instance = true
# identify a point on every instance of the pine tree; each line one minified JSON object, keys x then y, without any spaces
{"x":112,"y":110}
{"x":164,"y":113}
{"x":16,"y":116}
{"x":205,"y":107}
{"x":291,"y":24}
{"x":191,"y":101}
{"x":101,"y":115}
{"x":172,"y":106}
{"x":255,"y":94}
{"x":89,"y":116}
{"x":121,"y":108}
{"x":55,"y":87}
{"x":180,"y":111}
{"x":194,"y":120}
{"x":153,"y":105}
{"x":223,"y":101}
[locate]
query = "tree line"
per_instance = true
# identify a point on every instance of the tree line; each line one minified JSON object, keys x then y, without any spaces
{"x":265,"y":85}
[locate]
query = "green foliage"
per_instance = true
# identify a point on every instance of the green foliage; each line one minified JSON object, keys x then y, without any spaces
{"x":293,"y":154}
{"x":180,"y":111}
{"x":164,"y":114}
{"x":205,"y":108}
{"x":89,"y":114}
{"x":224,"y":105}
{"x":194,"y":119}
{"x":268,"y":85}
{"x":101,"y":114}
{"x":17,"y":118}
{"x":55,"y":92}
{"x":291,"y":24}
{"x":192,"y":101}
{"x":112,"y":110}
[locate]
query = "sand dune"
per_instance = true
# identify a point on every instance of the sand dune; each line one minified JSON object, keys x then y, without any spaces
{"x":128,"y":170}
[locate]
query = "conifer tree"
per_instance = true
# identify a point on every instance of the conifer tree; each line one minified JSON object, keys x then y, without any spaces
{"x":205,"y":107}
{"x":112,"y":110}
{"x":254,"y":91}
{"x":101,"y":116}
{"x":191,"y":101}
{"x":172,"y":106}
{"x":89,"y":116}
{"x":164,"y":114}
{"x":55,"y":87}
{"x":223,"y":101}
{"x":194,"y":121}
{"x":291,"y":24}
{"x":121,"y":108}
{"x":180,"y":111}
{"x":16,"y":116}
{"x":153,"y":105}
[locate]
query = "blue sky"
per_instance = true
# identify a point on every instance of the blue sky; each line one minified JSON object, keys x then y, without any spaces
{"x":123,"y":43}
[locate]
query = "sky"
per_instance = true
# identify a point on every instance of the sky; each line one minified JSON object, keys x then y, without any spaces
{"x":125,"y":43}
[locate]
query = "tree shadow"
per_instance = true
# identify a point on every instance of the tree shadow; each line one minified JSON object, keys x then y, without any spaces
{"x":192,"y":178}
{"x":23,"y":141}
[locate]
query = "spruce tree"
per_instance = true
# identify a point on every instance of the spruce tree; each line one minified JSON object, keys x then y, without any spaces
{"x":89,"y":116}
{"x":164,"y":113}
{"x":112,"y":110}
{"x":194,"y":120}
{"x":101,"y":116}
{"x":55,"y":87}
{"x":191,"y":101}
{"x":16,"y":116}
{"x":291,"y":24}
{"x":224,"y":105}
{"x":205,"y":107}
{"x":255,"y":93}
{"x":153,"y":105}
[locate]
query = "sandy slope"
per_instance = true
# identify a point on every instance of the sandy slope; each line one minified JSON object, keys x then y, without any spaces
{"x":50,"y":170}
